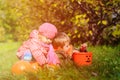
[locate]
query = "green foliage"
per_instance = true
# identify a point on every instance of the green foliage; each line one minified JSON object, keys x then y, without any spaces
{"x":112,"y":34}
{"x":80,"y":20}
{"x":116,"y":32}
{"x":90,"y":18}
{"x":2,"y":34}
{"x":100,"y":17}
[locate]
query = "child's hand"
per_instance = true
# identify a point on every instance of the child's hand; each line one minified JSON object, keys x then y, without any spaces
{"x":83,"y":47}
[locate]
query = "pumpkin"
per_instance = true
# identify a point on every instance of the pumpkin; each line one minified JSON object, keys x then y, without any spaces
{"x":35,"y":66}
{"x":21,"y":67}
{"x":82,"y":58}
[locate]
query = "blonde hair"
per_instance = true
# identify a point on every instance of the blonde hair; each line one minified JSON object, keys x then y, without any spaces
{"x":60,"y":39}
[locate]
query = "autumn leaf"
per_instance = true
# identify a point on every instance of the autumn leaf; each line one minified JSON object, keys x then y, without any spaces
{"x":104,"y":22}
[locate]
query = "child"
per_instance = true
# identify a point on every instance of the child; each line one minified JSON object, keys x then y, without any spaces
{"x":24,"y":52}
{"x":61,"y":44}
{"x":39,"y":45}
{"x":83,"y":47}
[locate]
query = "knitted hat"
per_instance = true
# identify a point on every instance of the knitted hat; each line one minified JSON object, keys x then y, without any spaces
{"x":48,"y":30}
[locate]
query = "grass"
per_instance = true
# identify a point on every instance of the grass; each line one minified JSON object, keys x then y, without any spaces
{"x":7,"y":55}
{"x":105,"y":65}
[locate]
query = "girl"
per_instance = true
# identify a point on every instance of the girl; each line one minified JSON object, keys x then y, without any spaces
{"x":39,"y":46}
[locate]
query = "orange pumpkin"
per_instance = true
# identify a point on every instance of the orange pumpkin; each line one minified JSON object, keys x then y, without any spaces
{"x":21,"y":67}
{"x":82,"y":58}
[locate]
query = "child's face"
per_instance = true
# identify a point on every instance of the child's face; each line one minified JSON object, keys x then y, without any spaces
{"x":45,"y":39}
{"x":66,"y":47}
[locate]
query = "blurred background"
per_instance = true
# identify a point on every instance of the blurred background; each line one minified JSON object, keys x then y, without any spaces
{"x":94,"y":21}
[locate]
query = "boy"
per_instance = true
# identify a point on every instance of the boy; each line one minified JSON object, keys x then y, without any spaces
{"x":61,"y":44}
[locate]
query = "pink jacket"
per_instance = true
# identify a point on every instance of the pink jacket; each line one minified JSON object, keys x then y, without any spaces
{"x":42,"y":53}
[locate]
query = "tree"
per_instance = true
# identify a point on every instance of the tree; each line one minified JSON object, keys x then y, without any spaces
{"x":100,"y":15}
{"x":91,"y":21}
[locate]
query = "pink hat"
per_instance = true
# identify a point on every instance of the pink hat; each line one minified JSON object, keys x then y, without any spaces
{"x":48,"y":30}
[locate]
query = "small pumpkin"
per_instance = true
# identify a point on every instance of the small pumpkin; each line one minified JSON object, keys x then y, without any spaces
{"x":82,"y":58}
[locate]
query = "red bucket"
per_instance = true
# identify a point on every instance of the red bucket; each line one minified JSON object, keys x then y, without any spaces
{"x":82,"y":58}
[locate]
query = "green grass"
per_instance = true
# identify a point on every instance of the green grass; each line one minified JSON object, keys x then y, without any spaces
{"x":7,"y":55}
{"x":105,"y":65}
